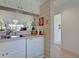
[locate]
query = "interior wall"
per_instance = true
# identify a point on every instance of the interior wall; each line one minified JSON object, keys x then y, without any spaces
{"x":70,"y":29}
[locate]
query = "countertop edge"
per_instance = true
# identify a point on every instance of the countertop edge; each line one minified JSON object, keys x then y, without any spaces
{"x":19,"y":38}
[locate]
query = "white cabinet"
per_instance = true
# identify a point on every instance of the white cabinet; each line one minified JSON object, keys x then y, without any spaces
{"x":13,"y":49}
{"x":23,"y":48}
{"x":26,"y":5}
{"x":2,"y":2}
{"x":35,"y":47}
{"x":36,"y":7}
{"x":2,"y":50}
{"x":12,"y":4}
{"x":18,"y":49}
{"x":31,"y":6}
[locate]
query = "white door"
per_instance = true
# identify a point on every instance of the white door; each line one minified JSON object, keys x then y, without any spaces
{"x":57,"y":29}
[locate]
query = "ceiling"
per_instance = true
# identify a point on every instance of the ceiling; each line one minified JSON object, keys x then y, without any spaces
{"x":61,"y":5}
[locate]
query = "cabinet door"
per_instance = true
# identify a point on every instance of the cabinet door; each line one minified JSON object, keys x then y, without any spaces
{"x":36,"y":7}
{"x":12,"y":4}
{"x":3,"y":47}
{"x":17,"y":49}
{"x":13,"y":49}
{"x":26,"y":5}
{"x":2,"y":50}
{"x":31,"y":6}
{"x":1,"y":2}
{"x":18,"y":53}
{"x":35,"y":48}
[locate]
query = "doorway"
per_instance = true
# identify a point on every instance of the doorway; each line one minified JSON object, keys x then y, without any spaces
{"x":57,"y":29}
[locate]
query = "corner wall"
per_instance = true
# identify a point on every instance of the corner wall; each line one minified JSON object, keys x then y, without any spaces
{"x":47,"y":13}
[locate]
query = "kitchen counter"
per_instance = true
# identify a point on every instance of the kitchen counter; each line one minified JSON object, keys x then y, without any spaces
{"x":19,"y":38}
{"x":22,"y":47}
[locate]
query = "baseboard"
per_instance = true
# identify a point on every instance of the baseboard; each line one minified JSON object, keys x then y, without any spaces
{"x":63,"y":49}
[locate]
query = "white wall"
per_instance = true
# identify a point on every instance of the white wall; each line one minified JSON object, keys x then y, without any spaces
{"x":60,"y":5}
{"x":70,"y":30}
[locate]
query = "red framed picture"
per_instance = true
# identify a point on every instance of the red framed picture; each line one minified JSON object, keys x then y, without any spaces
{"x":41,"y":21}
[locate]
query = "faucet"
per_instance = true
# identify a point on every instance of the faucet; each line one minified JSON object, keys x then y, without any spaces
{"x":8,"y":32}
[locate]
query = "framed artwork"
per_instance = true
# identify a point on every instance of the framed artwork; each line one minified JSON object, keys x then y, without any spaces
{"x":41,"y":21}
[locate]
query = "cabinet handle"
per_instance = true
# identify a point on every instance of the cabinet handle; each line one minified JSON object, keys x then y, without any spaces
{"x":7,"y":53}
{"x":2,"y":54}
{"x":18,"y":7}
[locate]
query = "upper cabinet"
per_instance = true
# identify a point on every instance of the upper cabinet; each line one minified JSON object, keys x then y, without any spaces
{"x":2,"y":2}
{"x":26,"y":5}
{"x":31,"y":6}
{"x":35,"y":6}
{"x":13,"y":4}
